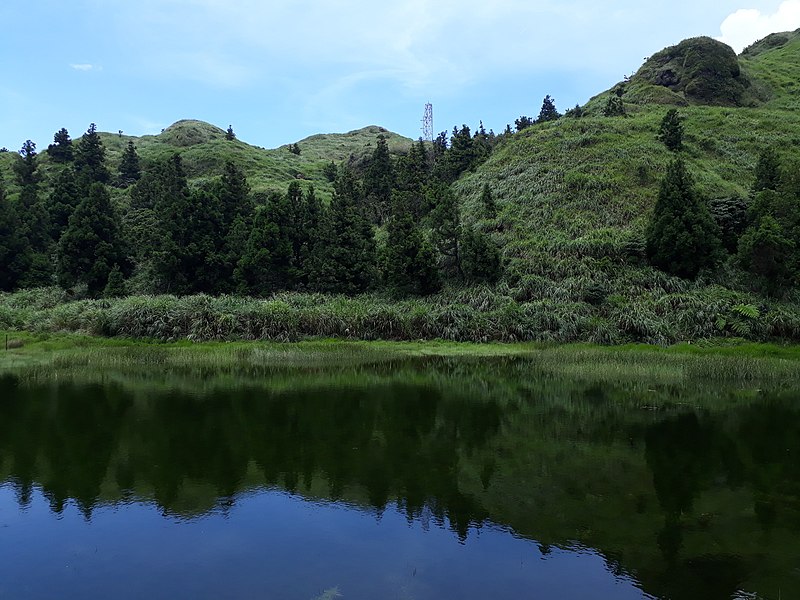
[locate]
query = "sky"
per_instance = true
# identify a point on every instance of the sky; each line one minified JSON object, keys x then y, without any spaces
{"x":281,"y":70}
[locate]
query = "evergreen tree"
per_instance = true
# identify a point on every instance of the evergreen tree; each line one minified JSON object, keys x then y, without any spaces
{"x":768,"y":176}
{"x":345,"y":254}
{"x":730,"y":214}
{"x":444,"y":219}
{"x":522,"y":123}
{"x":614,"y":107}
{"x":129,"y":169}
{"x":488,"y":205}
{"x":34,"y":218}
{"x":15,"y":251}
{"x":63,"y":199}
{"x":480,"y":257}
{"x":25,"y":167}
{"x":229,"y":134}
{"x":409,"y":261}
{"x":682,"y":237}
{"x":670,"y":132}
{"x":267,"y":263}
{"x":379,"y":181}
{"x":115,"y":286}
{"x":90,"y":159}
{"x":330,"y":171}
{"x":91,"y":244}
{"x":765,"y":251}
{"x":61,"y":150}
{"x":548,"y":111}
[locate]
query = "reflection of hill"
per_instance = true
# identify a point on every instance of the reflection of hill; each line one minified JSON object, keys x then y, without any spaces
{"x":695,"y":503}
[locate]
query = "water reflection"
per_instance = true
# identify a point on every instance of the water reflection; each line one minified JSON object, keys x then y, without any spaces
{"x":691,"y":503}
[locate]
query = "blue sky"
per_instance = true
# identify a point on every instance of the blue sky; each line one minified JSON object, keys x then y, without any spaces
{"x":281,"y":70}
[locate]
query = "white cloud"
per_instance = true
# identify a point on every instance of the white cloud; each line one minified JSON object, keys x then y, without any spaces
{"x":85,"y":67}
{"x":746,"y":26}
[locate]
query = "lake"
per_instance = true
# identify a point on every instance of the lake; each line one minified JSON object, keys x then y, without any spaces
{"x":411,"y":479}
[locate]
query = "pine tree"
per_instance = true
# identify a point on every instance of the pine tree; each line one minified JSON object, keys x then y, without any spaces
{"x":445,"y":219}
{"x":768,"y":175}
{"x":129,"y":169}
{"x":63,"y":199}
{"x":614,"y":107}
{"x":682,"y":237}
{"x":345,"y":254}
{"x":670,"y":132}
{"x":488,"y":204}
{"x":379,"y":181}
{"x":92,"y":243}
{"x":548,"y":111}
{"x":766,"y":252}
{"x":522,"y":123}
{"x":15,"y":251}
{"x":61,"y":150}
{"x":115,"y":286}
{"x":480,"y":257}
{"x":409,"y":261}
{"x":90,"y":159}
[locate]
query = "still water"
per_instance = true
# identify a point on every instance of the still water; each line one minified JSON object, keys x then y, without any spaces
{"x":436,"y":478}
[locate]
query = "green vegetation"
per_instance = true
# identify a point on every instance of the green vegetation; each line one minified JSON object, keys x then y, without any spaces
{"x":573,"y":228}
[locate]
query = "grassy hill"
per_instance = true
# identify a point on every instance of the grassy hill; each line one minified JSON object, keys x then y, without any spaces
{"x":574,"y":197}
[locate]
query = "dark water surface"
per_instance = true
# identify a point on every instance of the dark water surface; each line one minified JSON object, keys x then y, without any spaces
{"x":427,"y":479}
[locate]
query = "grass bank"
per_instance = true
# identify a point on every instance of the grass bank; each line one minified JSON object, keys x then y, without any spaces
{"x":44,"y":355}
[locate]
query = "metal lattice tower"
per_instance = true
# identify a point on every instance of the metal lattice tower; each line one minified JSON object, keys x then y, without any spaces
{"x":427,"y":123}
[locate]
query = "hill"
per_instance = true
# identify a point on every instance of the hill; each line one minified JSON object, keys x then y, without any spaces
{"x":574,"y":198}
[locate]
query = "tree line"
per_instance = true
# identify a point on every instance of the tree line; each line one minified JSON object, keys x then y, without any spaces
{"x":392,"y":225}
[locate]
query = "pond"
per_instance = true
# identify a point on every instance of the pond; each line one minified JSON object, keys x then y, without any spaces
{"x":416,"y":479}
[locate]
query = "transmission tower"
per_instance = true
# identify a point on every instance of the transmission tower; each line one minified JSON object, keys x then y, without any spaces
{"x":427,"y":123}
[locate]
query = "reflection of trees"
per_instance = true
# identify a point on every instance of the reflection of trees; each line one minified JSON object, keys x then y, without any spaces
{"x":397,"y":442}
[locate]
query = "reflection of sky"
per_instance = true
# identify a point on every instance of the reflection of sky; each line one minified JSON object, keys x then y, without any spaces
{"x":273,"y":545}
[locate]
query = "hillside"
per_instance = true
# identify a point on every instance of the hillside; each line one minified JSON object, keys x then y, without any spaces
{"x":205,"y":150}
{"x":574,"y":197}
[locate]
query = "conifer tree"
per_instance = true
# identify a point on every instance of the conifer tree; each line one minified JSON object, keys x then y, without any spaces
{"x":488,"y":204}
{"x":445,"y":221}
{"x":129,"y":168}
{"x":548,"y":111}
{"x":766,"y":252}
{"x":767,"y":176}
{"x":90,"y":159}
{"x":379,"y":181}
{"x":92,"y":243}
{"x":15,"y":251}
{"x":670,"y":132}
{"x":63,"y":199}
{"x":409,"y":260}
{"x":480,"y":257}
{"x":682,"y":237}
{"x":614,"y":107}
{"x":34,"y":217}
{"x":61,"y":149}
{"x":345,"y":254}
{"x":522,"y":123}
{"x":115,"y":286}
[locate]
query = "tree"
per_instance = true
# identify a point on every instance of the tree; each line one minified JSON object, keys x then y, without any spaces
{"x":90,"y":159}
{"x":409,"y":261}
{"x":345,"y":254}
{"x":62,"y":201}
{"x":92,"y":243}
{"x":765,"y":251}
{"x":294,"y":149}
{"x":548,"y":111}
{"x":682,"y":237}
{"x":330,"y":171}
{"x":229,"y":134}
{"x":115,"y":286}
{"x":670,"y":132}
{"x":488,"y":205}
{"x":25,"y":167}
{"x":767,"y":173}
{"x":522,"y":123}
{"x":444,"y":219}
{"x":129,"y":169}
{"x":480,"y":257}
{"x":15,"y":251}
{"x":379,"y":181}
{"x":614,"y":107}
{"x":61,"y":150}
